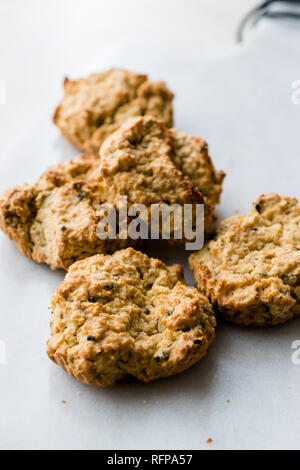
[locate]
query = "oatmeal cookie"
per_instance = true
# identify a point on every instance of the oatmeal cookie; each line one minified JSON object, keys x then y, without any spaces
{"x":127,"y":315}
{"x":93,"y":108}
{"x":251,"y":270}
{"x":190,"y":155}
{"x":152,"y":164}
{"x":54,"y":221}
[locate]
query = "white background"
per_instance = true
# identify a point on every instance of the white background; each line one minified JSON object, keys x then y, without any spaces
{"x":239,"y":99}
{"x":43,"y":40}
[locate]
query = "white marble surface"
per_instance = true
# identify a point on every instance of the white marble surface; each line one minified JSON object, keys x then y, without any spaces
{"x":240,"y":101}
{"x":43,"y":40}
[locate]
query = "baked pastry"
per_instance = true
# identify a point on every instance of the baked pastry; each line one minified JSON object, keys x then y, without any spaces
{"x":127,"y":315}
{"x":251,"y":269}
{"x":144,"y":158}
{"x":94,"y":107}
{"x":190,"y":156}
{"x":55,"y":220}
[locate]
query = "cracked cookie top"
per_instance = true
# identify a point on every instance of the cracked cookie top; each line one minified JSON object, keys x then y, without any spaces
{"x":152,"y":164}
{"x":144,"y":156}
{"x":55,"y":220}
{"x":94,"y":107}
{"x":190,"y":156}
{"x":251,"y":269}
{"x":127,"y":315}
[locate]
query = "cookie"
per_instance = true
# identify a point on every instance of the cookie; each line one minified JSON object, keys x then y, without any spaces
{"x":127,"y":315}
{"x":144,"y":155}
{"x":251,"y":269}
{"x":190,"y":155}
{"x":93,"y":108}
{"x":55,"y":220}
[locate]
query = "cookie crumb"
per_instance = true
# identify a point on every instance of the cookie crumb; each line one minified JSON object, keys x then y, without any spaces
{"x":227,"y":401}
{"x":78,"y":394}
{"x":64,"y":402}
{"x":209,"y":440}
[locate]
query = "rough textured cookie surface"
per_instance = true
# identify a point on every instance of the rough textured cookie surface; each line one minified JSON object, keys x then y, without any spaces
{"x":93,"y":108}
{"x":251,"y":270}
{"x":127,"y":315}
{"x":152,"y":164}
{"x":55,"y":220}
{"x":190,"y":155}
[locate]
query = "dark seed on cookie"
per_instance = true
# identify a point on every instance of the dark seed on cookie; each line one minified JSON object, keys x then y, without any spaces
{"x":92,"y":299}
{"x":197,"y":341}
{"x":109,"y":286}
{"x":146,"y":310}
{"x":9,"y":217}
{"x":258,"y":208}
{"x":91,"y":338}
{"x":165,"y":355}
{"x":80,"y":196}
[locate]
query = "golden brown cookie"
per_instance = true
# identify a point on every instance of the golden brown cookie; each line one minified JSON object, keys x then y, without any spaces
{"x":136,"y":162}
{"x":251,"y":269}
{"x":55,"y":220}
{"x":93,"y":108}
{"x":144,"y":158}
{"x":190,"y":156}
{"x":127,"y":315}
